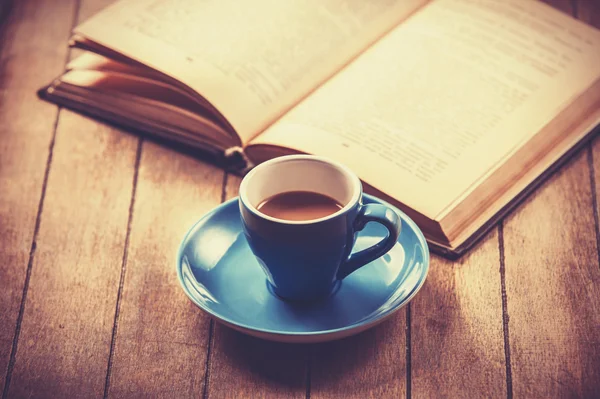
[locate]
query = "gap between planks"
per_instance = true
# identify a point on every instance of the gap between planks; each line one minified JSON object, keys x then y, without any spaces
{"x":15,"y":344}
{"x":211,"y":324}
{"x":7,"y":14}
{"x":111,"y":353}
{"x":590,"y":159}
{"x":505,"y":318}
{"x":408,"y":353}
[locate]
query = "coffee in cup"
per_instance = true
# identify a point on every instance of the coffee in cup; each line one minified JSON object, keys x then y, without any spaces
{"x":299,"y":205}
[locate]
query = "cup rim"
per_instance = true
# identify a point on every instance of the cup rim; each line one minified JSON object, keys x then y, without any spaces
{"x":352,"y":177}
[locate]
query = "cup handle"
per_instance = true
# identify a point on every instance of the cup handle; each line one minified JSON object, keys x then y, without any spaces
{"x":372,"y":213}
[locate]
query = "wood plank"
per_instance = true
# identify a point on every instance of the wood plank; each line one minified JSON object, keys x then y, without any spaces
{"x":246,"y":367}
{"x":232,"y":186}
{"x":565,"y":6}
{"x":32,"y":52}
{"x":162,"y":337}
{"x":64,"y":349}
{"x":588,"y":11}
{"x":66,"y":331}
{"x":553,"y":289}
{"x":594,"y":169}
{"x":368,"y":365}
{"x":457,"y":326}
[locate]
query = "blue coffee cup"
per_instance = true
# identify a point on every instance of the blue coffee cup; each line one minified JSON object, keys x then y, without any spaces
{"x":303,"y":260}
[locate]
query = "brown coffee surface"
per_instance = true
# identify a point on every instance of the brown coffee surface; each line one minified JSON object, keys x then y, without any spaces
{"x":299,"y":205}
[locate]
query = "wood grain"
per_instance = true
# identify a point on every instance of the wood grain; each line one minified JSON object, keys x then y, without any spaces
{"x":553,"y":289}
{"x":246,"y":367}
{"x":368,"y":365}
{"x":66,"y":330}
{"x":457,"y":336}
{"x":162,"y":338}
{"x":32,"y":52}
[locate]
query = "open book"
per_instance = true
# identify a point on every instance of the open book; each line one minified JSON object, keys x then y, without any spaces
{"x":450,"y":109}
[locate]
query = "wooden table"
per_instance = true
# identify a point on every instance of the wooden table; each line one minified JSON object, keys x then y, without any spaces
{"x":90,"y":306}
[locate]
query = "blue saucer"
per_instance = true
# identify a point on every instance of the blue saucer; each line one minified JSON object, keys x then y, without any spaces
{"x":219,"y":273}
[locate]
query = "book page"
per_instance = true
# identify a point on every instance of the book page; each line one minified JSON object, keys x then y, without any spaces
{"x":251,"y":59}
{"x":138,"y":98}
{"x":444,"y":98}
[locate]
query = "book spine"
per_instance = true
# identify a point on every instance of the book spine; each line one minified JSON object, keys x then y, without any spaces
{"x":237,"y":161}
